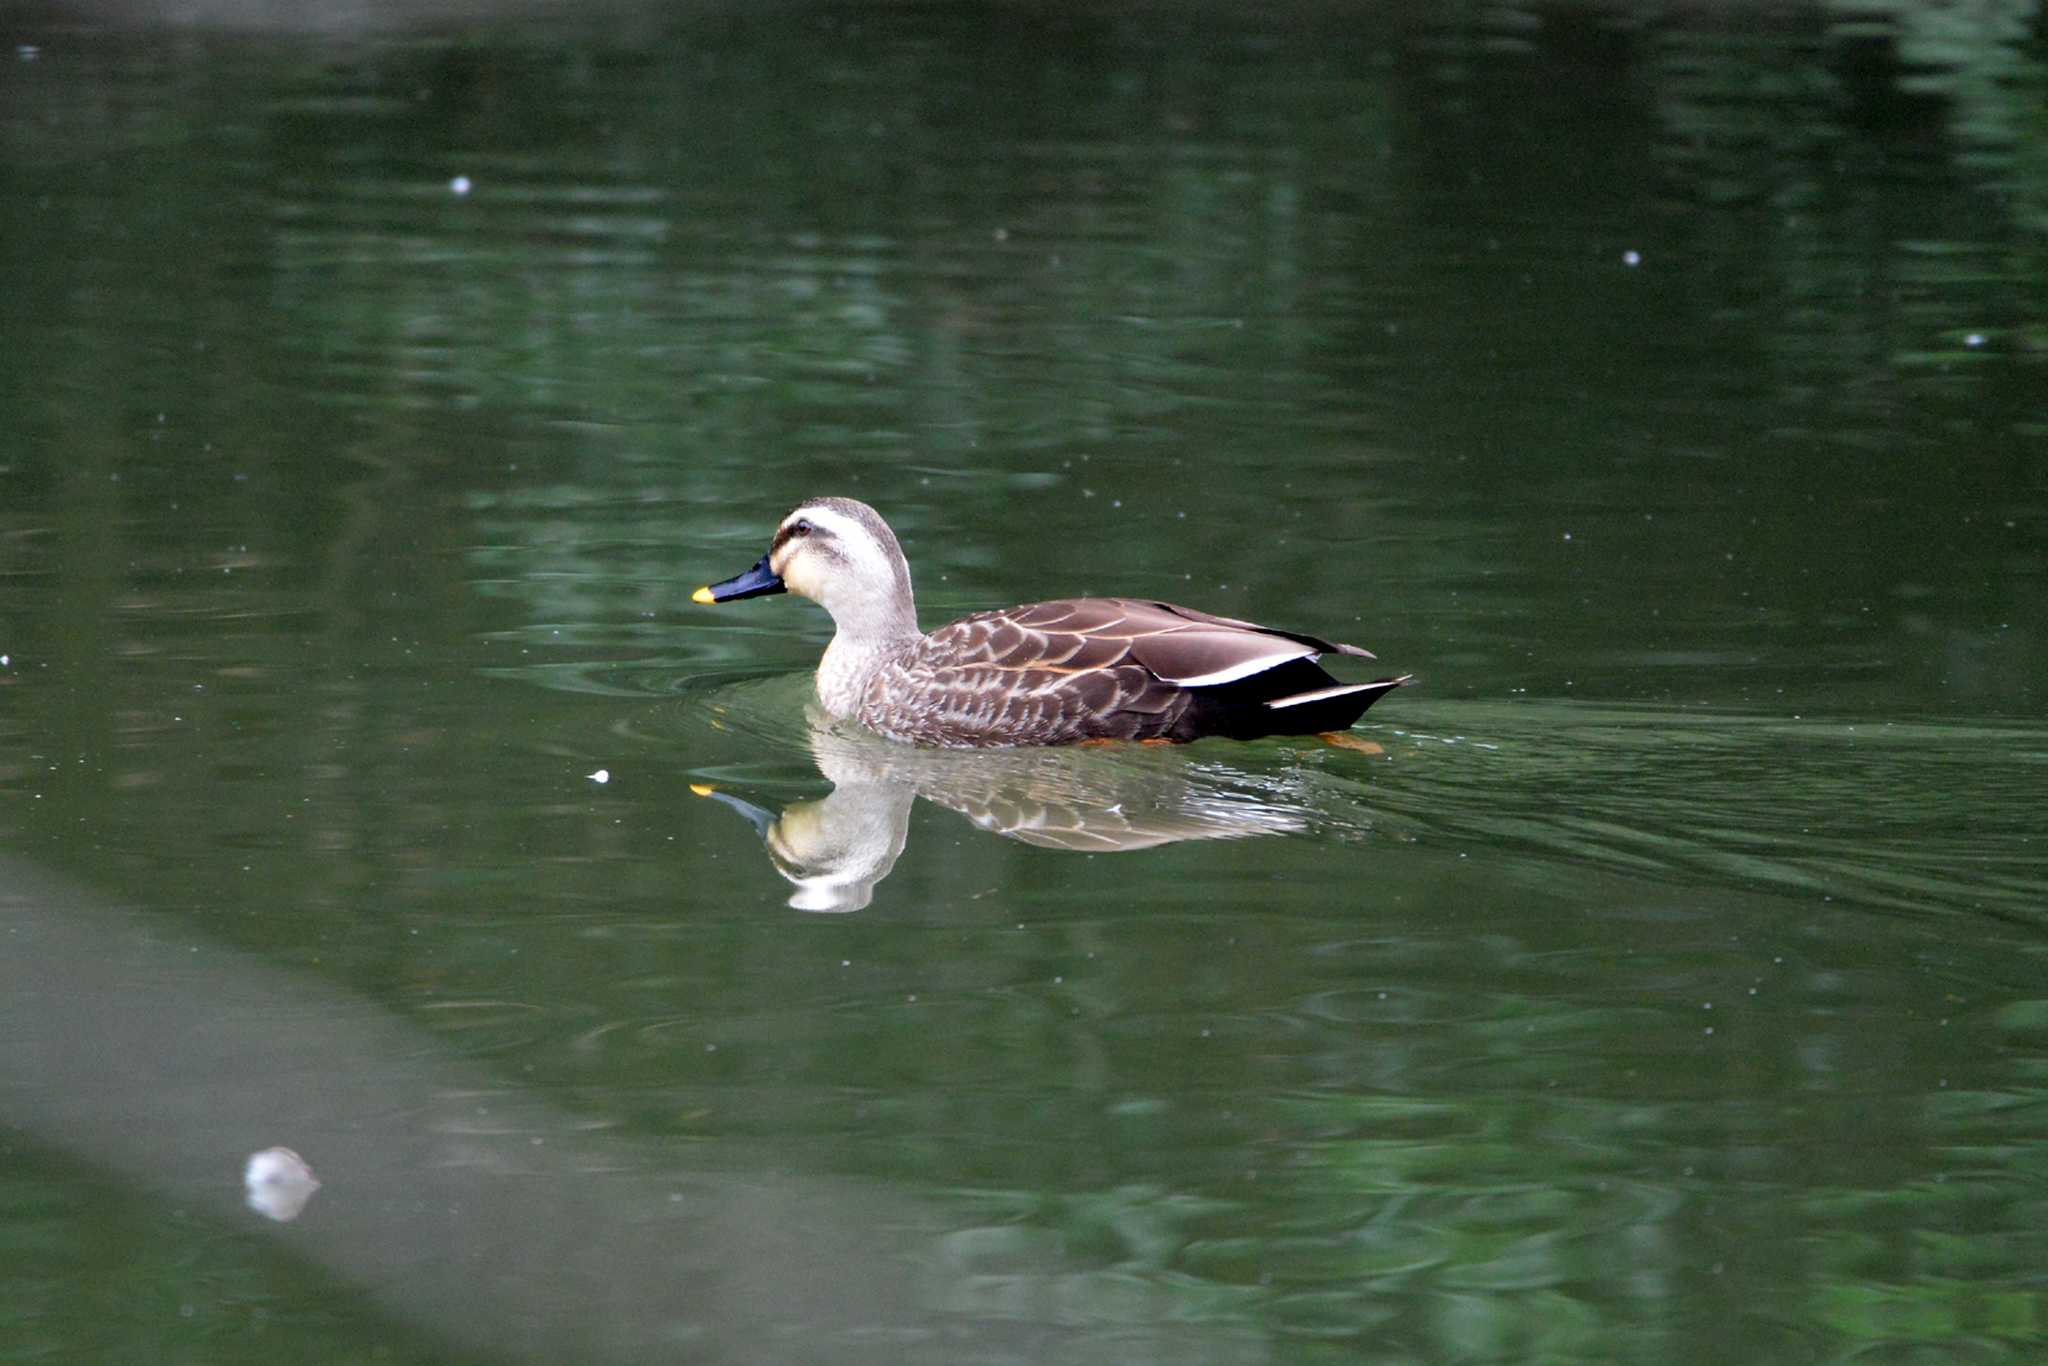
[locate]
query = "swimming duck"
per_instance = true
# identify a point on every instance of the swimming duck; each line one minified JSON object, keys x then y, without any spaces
{"x":1046,"y":673}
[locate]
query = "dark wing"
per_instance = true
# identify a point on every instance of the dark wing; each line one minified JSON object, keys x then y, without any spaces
{"x":1316,"y":643}
{"x":1178,"y":644}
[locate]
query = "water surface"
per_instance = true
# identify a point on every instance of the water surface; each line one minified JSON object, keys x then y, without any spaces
{"x":1663,"y":391}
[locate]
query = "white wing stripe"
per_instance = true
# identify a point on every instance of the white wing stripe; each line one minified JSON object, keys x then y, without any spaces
{"x":1245,"y":668}
{"x":1318,"y":695}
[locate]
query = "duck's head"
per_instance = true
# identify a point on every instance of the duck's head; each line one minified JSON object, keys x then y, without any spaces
{"x":840,"y":554}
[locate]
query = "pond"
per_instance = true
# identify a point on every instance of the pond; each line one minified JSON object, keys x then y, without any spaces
{"x":1664,"y":972}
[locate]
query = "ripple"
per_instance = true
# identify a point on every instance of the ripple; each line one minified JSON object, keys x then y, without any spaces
{"x":1923,"y":817}
{"x":1910,"y":816}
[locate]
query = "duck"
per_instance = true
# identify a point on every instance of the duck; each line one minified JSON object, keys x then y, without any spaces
{"x":1061,"y":672}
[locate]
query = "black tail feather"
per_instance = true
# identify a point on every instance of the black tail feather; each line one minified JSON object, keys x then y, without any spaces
{"x":1299,"y":697}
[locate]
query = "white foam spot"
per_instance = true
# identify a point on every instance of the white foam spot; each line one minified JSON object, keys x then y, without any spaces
{"x":279,"y":1183}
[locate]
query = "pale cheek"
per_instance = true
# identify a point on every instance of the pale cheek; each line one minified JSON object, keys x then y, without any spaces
{"x":797,"y":578}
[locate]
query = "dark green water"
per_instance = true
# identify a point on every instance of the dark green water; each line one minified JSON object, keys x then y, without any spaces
{"x":1667,"y":393}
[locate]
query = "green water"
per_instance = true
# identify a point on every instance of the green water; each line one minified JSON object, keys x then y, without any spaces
{"x":1664,"y":392}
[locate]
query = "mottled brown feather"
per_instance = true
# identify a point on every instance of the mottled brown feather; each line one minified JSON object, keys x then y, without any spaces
{"x":1083,"y":668}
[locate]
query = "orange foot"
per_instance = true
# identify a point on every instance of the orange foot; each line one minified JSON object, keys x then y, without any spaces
{"x":1346,"y":740}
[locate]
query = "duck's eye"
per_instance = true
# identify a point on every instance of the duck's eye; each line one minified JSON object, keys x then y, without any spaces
{"x":801,"y":527}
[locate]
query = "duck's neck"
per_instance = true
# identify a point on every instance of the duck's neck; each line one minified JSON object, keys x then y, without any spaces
{"x":869,"y":636}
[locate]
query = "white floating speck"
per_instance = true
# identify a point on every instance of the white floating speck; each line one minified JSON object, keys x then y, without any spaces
{"x":1974,"y":339}
{"x":279,"y":1183}
{"x":459,"y":185}
{"x":1631,"y":258}
{"x":603,"y":775}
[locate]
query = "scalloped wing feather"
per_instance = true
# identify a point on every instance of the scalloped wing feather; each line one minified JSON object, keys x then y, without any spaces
{"x":1316,"y":644}
{"x":1070,"y":669}
{"x":1178,"y":644}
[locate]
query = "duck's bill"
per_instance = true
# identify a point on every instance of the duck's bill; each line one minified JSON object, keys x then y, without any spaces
{"x":757,"y":582}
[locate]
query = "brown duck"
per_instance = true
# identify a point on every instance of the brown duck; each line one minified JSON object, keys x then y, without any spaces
{"x":1047,"y":673}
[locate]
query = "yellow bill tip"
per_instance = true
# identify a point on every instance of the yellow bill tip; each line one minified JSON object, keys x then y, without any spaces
{"x":703,"y":595}
{"x":702,"y":789}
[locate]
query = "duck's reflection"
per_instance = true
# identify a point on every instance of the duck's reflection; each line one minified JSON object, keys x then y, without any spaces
{"x":1108,"y":800}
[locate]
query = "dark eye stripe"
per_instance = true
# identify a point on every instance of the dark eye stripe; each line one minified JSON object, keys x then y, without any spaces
{"x":802,"y":526}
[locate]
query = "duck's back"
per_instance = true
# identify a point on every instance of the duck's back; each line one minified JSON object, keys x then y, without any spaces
{"x":1050,"y":673}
